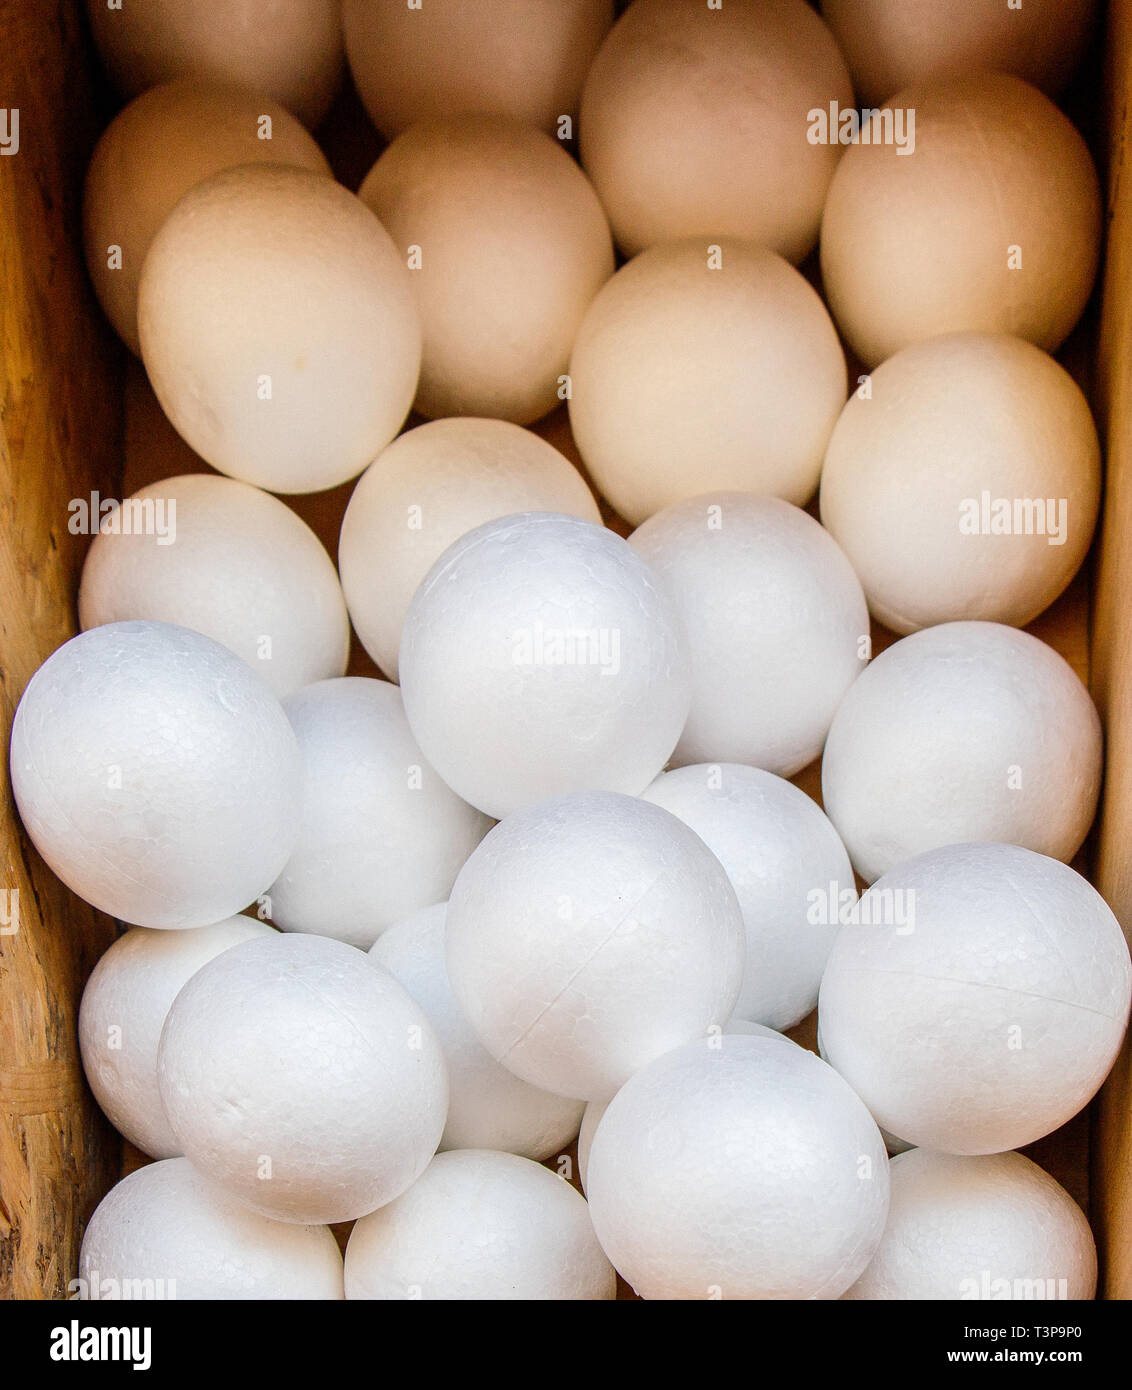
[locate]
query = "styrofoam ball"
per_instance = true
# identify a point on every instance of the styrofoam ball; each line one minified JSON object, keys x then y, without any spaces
{"x":738,"y":1168}
{"x":984,"y":512}
{"x":979,"y":1000}
{"x":694,"y":122}
{"x":431,"y":486}
{"x":290,"y":49}
{"x":151,"y":154}
{"x":787,"y":866}
{"x":704,"y":367}
{"x":124,"y":1006}
{"x":489,"y":1107}
{"x":166,"y":1232}
{"x":965,"y":731}
{"x":507,"y":244}
{"x":983,"y":1226}
{"x":777,"y":626}
{"x":445,"y":58}
{"x":587,"y":935}
{"x":890,"y":44}
{"x":380,"y":835}
{"x":278,"y":327}
{"x":991,"y":223}
{"x":302,"y":1079}
{"x":228,"y":560}
{"x":156,"y":774}
{"x":541,"y":655}
{"x":480,"y":1225}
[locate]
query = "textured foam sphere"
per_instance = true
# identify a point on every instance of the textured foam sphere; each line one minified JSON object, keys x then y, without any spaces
{"x":480,"y":1225}
{"x":541,"y":655}
{"x":992,"y":223}
{"x":431,"y":486}
{"x":890,"y":44}
{"x":381,"y":835}
{"x":489,"y":1107}
{"x":589,"y":934}
{"x":290,"y":49}
{"x":965,"y":731}
{"x":699,"y":368}
{"x":979,"y":999}
{"x":982,"y":512}
{"x":789,"y":870}
{"x":740,"y":1167}
{"x":777,"y":626}
{"x":278,"y":327}
{"x":507,"y":244}
{"x":694,"y":121}
{"x":156,"y":774}
{"x":302,"y":1079}
{"x":166,"y":1232}
{"x":507,"y":57}
{"x":124,"y":1006}
{"x":986,"y":1226}
{"x":227,"y":560}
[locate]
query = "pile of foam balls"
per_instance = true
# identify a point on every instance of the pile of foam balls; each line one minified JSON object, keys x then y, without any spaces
{"x":627,"y":486}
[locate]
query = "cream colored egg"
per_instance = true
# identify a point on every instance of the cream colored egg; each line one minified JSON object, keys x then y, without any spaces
{"x":431,"y":486}
{"x":701,"y":367}
{"x":695,"y":120}
{"x":989,"y":219}
{"x":507,"y":244}
{"x":891,"y":43}
{"x":510,"y":57}
{"x":152,"y":153}
{"x":290,"y":49}
{"x":278,"y":328}
{"x":965,"y":484}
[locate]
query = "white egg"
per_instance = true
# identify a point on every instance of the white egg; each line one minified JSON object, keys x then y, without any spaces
{"x":489,"y":1107}
{"x":589,"y":934}
{"x":226,"y":560}
{"x":278,"y":328}
{"x":539,"y":656}
{"x":165,"y":1233}
{"x":738,"y":1168}
{"x":979,"y":999}
{"x":302,"y":1079}
{"x":987,"y":1226}
{"x":431,"y":486}
{"x":777,"y":626}
{"x":156,"y":774}
{"x":380,"y":835}
{"x":704,"y":364}
{"x":965,"y":731}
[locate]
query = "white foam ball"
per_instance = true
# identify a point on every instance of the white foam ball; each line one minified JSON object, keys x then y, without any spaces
{"x":302,"y":1079}
{"x":380,"y":835}
{"x":984,"y":512}
{"x":985,"y":1226}
{"x":979,"y":1000}
{"x":965,"y":731}
{"x":787,"y":866}
{"x":431,"y":486}
{"x":489,"y":1107}
{"x":227,"y":560}
{"x":539,"y":656}
{"x":777,"y":626}
{"x":589,"y":934}
{"x":156,"y":774}
{"x":480,"y":1225}
{"x":704,"y":364}
{"x":166,"y":1232}
{"x":124,"y":1006}
{"x":741,"y":1168}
